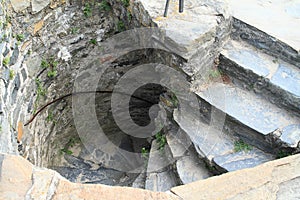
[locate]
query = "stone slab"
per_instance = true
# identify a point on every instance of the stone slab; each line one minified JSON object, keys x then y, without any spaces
{"x":277,"y":18}
{"x":16,"y":174}
{"x":161,"y":181}
{"x":20,"y":5}
{"x":291,"y":135}
{"x":159,"y":159}
{"x":208,"y":141}
{"x":242,"y":160}
{"x":279,"y":73}
{"x":248,"y":108}
{"x":191,"y":169}
{"x":267,"y":181}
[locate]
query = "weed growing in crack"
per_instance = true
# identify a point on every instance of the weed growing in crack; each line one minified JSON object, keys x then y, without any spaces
{"x":87,"y":11}
{"x":6,"y":61}
{"x":120,"y":26}
{"x":145,"y":153}
{"x":282,"y":154}
{"x":214,"y":73}
{"x":49,"y":118}
{"x":125,"y":2}
{"x":67,"y":151}
{"x":74,"y":30}
{"x":161,"y":140}
{"x":20,"y":37}
{"x":51,"y":64}
{"x":11,"y":74}
{"x":93,"y":41}
{"x":71,"y":143}
{"x":104,"y":5}
{"x":240,"y":145}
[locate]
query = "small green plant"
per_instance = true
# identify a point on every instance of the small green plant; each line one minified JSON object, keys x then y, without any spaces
{"x":214,"y":73}
{"x":87,"y":11}
{"x":40,"y":90}
{"x":93,"y":41}
{"x":145,"y":153}
{"x":129,"y":16}
{"x":49,"y":118}
{"x":73,"y":141}
{"x":11,"y":74}
{"x":161,"y":140}
{"x":282,"y":154}
{"x":74,"y":30}
{"x":45,"y":64}
{"x":52,"y":73}
{"x":125,"y":2}
{"x":120,"y":26}
{"x":174,"y":100}
{"x":52,"y":65}
{"x":20,"y":37}
{"x":6,"y":61}
{"x":104,"y":5}
{"x":67,"y":151}
{"x":240,"y":145}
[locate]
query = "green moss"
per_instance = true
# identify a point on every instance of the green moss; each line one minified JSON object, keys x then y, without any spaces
{"x":74,"y":30}
{"x":126,"y":3}
{"x":93,"y":41}
{"x":6,"y":61}
{"x":240,"y":145}
{"x":161,"y":140}
{"x":87,"y":11}
{"x":67,"y":151}
{"x":282,"y":154}
{"x":49,"y":117}
{"x":120,"y":26}
{"x":20,"y":37}
{"x":104,"y":5}
{"x":11,"y":74}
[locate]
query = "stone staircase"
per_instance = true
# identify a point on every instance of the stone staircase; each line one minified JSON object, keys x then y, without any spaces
{"x":259,"y":100}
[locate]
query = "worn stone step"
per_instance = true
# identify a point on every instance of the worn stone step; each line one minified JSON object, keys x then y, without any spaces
{"x":275,"y":79}
{"x":242,"y":159}
{"x":161,"y":181}
{"x":160,"y":176}
{"x":190,"y":169}
{"x":159,"y":159}
{"x":189,"y":166}
{"x":212,"y":143}
{"x":253,"y":111}
{"x":101,"y":175}
{"x":279,"y":37}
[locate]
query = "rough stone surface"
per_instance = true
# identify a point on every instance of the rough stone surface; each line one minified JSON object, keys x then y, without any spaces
{"x":248,"y":108}
{"x":191,"y":169}
{"x":160,"y":181}
{"x":38,"y":5}
{"x":243,"y":159}
{"x":19,"y":5}
{"x":281,"y":12}
{"x":266,"y":181}
{"x":20,"y":180}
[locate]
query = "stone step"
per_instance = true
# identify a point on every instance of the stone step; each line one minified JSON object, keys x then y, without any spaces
{"x":160,"y":176}
{"x":242,"y":159}
{"x":255,"y":112}
{"x":279,"y":37}
{"x":190,"y":169}
{"x":214,"y":144}
{"x":161,"y":181}
{"x":189,"y":166}
{"x":275,"y":79}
